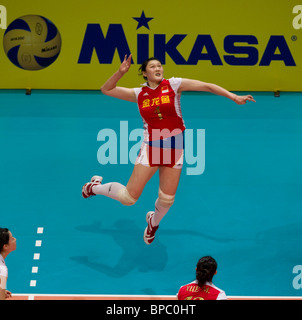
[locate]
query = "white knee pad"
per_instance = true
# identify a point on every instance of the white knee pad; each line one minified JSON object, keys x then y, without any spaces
{"x":125,"y":198}
{"x":165,"y":200}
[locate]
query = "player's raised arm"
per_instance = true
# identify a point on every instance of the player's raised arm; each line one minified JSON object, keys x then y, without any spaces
{"x":196,"y":85}
{"x":110,"y":86}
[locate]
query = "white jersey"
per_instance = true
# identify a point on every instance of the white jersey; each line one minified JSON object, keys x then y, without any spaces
{"x":3,"y":273}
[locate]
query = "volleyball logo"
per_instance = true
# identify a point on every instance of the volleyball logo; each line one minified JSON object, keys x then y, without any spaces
{"x":32,"y":42}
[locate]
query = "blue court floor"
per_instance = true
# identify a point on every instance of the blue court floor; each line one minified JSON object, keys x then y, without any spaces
{"x":241,"y":204}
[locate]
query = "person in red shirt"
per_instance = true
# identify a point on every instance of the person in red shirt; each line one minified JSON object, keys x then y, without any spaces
{"x":202,"y":288}
{"x":163,"y":146}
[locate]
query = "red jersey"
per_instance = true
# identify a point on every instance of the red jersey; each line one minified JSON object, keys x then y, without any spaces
{"x":208,"y":291}
{"x":160,"y":109}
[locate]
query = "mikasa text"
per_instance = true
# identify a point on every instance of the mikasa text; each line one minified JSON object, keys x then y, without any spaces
{"x":238,"y":49}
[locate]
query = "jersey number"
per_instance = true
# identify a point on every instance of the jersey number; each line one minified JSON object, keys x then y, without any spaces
{"x":194,"y":298}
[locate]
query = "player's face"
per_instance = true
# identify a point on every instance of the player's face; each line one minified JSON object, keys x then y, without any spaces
{"x":12,"y":243}
{"x":154,"y":71}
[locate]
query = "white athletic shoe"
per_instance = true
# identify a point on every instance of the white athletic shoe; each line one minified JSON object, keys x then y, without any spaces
{"x":87,"y":188}
{"x":97,"y":179}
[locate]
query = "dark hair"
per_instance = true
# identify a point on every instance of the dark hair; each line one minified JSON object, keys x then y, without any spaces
{"x":4,"y":237}
{"x":205,"y":269}
{"x":143,"y":67}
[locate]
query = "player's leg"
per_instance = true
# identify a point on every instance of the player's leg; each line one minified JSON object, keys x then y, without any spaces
{"x":141,"y":174}
{"x":127,"y":195}
{"x":168,"y":183}
{"x":95,"y":187}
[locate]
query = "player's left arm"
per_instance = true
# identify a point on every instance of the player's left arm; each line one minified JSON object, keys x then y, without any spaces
{"x":196,"y":85}
{"x":2,"y":288}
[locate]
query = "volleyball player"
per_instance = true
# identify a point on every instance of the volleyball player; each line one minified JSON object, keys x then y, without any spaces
{"x":7,"y":245}
{"x":162,"y":150}
{"x":202,"y":288}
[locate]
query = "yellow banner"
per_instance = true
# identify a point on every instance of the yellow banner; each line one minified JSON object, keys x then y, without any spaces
{"x":241,"y":45}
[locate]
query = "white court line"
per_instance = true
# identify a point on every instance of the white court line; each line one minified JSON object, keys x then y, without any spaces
{"x":38,"y":243}
{"x":34,"y":270}
{"x":168,"y":297}
{"x":36,"y":256}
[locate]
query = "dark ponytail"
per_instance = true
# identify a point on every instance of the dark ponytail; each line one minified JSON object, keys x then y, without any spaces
{"x":205,"y":270}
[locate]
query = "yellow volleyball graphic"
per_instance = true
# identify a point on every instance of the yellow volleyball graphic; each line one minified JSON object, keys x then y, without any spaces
{"x":32,"y":42}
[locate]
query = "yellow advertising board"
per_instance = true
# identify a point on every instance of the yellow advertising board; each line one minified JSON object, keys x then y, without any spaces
{"x":241,"y":45}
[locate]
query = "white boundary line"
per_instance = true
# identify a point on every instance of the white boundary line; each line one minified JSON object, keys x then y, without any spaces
{"x":91,"y":295}
{"x":31,"y":296}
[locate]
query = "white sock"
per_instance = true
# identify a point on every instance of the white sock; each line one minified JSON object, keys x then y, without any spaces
{"x":110,"y":189}
{"x":159,"y":213}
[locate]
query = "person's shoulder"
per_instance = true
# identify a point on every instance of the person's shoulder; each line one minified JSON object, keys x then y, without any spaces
{"x":220,"y":293}
{"x":137,"y":91}
{"x":174,"y":79}
{"x":181,"y":292}
{"x":175,"y":82}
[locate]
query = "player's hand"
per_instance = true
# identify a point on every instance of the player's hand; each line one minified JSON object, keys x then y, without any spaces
{"x":126,"y":64}
{"x":243,"y":99}
{"x":8,"y":294}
